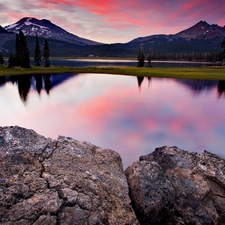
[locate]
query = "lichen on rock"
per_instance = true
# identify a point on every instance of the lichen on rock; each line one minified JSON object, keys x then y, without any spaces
{"x":64,"y":181}
{"x":172,"y":186}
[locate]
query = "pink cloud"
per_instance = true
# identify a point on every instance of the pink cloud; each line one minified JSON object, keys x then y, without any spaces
{"x":118,"y":21}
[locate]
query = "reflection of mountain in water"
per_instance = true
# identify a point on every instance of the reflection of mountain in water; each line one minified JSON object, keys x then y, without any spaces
{"x":196,"y":86}
{"x":38,"y":82}
{"x":47,"y":82}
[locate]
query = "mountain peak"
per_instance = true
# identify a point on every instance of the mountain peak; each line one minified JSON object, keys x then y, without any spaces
{"x":202,"y":30}
{"x":202,"y":22}
{"x":46,"y":29}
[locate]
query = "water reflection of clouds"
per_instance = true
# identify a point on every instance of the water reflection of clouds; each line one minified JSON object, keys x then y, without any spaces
{"x":111,"y":112}
{"x":170,"y":122}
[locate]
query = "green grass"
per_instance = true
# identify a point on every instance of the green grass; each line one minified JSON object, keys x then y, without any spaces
{"x":207,"y":73}
{"x":4,"y":71}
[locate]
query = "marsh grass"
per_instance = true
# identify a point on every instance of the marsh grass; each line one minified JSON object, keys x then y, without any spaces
{"x":205,"y":73}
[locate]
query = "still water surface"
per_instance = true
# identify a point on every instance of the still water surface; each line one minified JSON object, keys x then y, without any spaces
{"x":118,"y":62}
{"x":129,"y":115}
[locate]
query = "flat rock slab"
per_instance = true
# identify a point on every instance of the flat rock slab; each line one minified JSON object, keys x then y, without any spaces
{"x":64,"y":181}
{"x":175,"y":187}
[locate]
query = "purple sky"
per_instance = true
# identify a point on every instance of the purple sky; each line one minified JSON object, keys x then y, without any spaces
{"x":111,"y":21}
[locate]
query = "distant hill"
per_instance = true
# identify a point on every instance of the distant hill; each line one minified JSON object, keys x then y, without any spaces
{"x":202,"y":37}
{"x":2,"y":30}
{"x":5,"y":36}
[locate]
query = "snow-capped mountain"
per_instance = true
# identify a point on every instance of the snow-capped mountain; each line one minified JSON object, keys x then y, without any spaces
{"x":202,"y":37}
{"x":199,"y":38}
{"x":202,"y":30}
{"x":46,"y":29}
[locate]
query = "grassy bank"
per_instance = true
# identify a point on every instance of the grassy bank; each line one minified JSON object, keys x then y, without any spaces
{"x":209,"y":73}
{"x":4,"y":71}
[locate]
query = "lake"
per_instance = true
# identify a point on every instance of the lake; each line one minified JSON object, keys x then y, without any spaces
{"x":118,"y":62}
{"x":130,"y":115}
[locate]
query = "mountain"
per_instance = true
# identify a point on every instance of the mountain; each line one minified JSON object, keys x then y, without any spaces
{"x":202,"y":30}
{"x":202,"y":37}
{"x":5,"y":36}
{"x":46,"y":29}
{"x":2,"y":30}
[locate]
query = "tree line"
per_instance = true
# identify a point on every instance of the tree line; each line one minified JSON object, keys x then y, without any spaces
{"x":194,"y":56}
{"x":21,"y":57}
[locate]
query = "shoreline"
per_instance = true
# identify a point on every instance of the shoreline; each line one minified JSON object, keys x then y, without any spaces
{"x":199,"y":73}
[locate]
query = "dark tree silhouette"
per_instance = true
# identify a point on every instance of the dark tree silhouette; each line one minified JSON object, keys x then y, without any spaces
{"x":46,"y":55}
{"x":38,"y":79}
{"x":37,"y":53}
{"x":12,"y":61}
{"x":221,"y":88}
{"x":22,"y":55}
{"x":1,"y":60}
{"x":149,"y":58}
{"x":18,"y":51}
{"x":141,"y":58}
{"x":140,"y":80}
{"x":24,"y":84}
{"x":223,"y":52}
{"x":47,"y":82}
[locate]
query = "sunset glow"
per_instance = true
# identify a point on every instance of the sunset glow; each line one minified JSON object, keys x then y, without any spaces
{"x":114,"y":112}
{"x":116,"y":21}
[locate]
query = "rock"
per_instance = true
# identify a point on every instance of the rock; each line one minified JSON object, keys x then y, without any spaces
{"x":172,"y":186}
{"x":64,"y":181}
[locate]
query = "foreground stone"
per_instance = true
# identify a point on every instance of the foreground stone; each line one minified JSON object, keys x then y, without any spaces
{"x":64,"y":181}
{"x":171,"y":186}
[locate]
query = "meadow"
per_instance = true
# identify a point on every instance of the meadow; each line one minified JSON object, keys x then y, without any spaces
{"x":201,"y":73}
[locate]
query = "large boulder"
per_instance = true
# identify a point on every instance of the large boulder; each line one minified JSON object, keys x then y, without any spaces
{"x":172,"y":186}
{"x":64,"y":181}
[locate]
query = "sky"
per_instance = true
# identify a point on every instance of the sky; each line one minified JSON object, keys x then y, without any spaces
{"x":116,"y":21}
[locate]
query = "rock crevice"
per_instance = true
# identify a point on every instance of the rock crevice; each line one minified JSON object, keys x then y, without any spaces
{"x":64,"y":181}
{"x":189,"y":188}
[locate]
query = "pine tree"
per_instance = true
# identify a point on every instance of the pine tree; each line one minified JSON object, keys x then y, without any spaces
{"x":12,"y":61}
{"x":223,"y":52}
{"x":24,"y":51}
{"x":141,"y":58}
{"x":46,"y":55}
{"x":149,"y":58}
{"x":18,"y":51}
{"x":22,"y":55}
{"x":37,"y":53}
{"x":1,"y":60}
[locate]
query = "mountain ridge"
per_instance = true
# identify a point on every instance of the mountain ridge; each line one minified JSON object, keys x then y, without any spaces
{"x":201,"y":37}
{"x":196,"y":31}
{"x":2,"y":30}
{"x":46,"y":29}
{"x":202,"y":30}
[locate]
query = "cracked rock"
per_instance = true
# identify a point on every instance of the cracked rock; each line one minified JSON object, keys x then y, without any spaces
{"x":64,"y":181}
{"x":175,"y":187}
